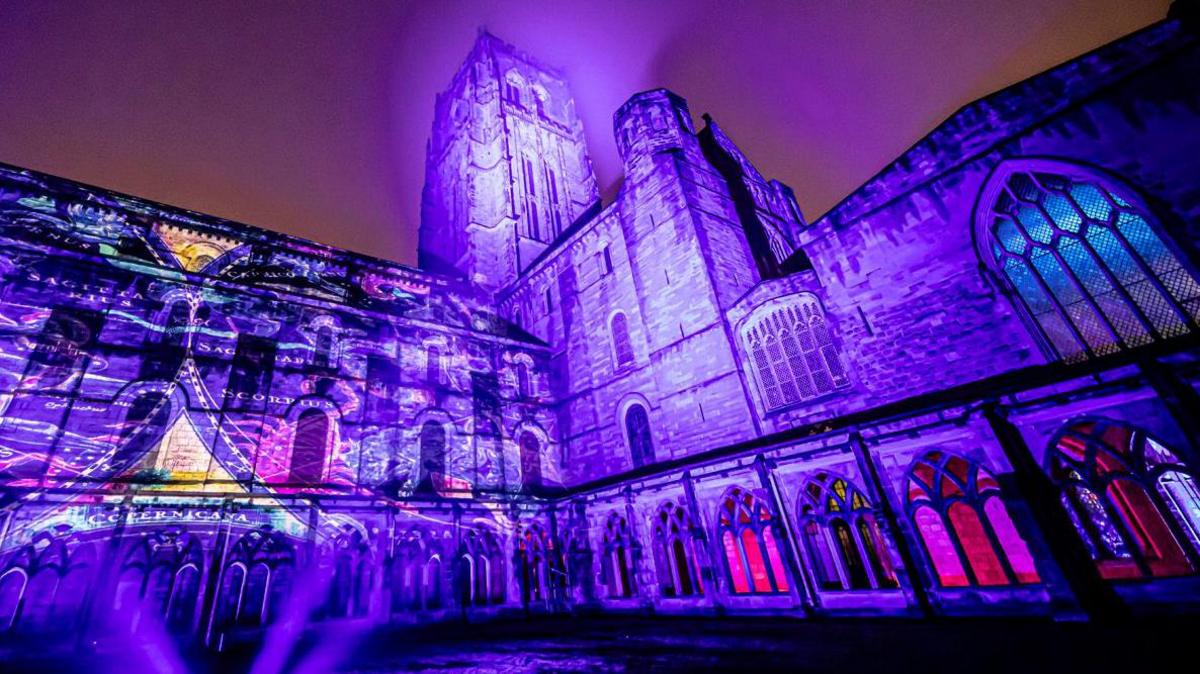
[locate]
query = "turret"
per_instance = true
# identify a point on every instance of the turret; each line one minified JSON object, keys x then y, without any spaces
{"x":649,"y":123}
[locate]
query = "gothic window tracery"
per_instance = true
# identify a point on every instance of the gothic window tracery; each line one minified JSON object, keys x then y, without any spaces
{"x":1090,"y":264}
{"x":746,"y":529}
{"x":791,"y":352}
{"x":533,"y":552}
{"x":842,"y":536}
{"x":616,"y":566}
{"x":1133,"y":502}
{"x":481,"y":570}
{"x":964,"y":524}
{"x":674,"y":552}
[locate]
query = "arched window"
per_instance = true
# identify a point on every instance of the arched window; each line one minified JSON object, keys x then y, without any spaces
{"x":433,"y":364}
{"x":323,"y":347}
{"x":179,"y":319}
{"x":746,"y":529}
{"x":531,"y":213}
{"x":181,"y":607}
{"x":408,"y":558}
{"x":622,"y":345}
{"x":791,"y":352}
{"x":524,"y":389}
{"x":1130,"y":498}
{"x":433,"y":457}
{"x":552,"y":188}
{"x":531,"y":459}
{"x":674,"y":556}
{"x":309,"y":447}
{"x":533,"y":551}
{"x":616,"y":567}
{"x":637,"y":430}
{"x":482,"y":581}
{"x":1088,"y":261}
{"x":964,"y":525}
{"x":12,"y":595}
{"x":836,"y":516}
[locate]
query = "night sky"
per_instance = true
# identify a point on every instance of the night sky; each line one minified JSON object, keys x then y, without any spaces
{"x":311,"y":118}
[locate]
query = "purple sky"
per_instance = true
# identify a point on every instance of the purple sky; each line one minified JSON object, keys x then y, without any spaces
{"x":311,"y":118}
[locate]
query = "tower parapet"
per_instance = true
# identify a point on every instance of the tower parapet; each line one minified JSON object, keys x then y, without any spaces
{"x":650,"y":123}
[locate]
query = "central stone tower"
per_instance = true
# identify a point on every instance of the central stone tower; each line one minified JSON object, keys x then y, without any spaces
{"x":506,"y":169}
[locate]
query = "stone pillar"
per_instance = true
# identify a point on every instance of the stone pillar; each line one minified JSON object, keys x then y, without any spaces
{"x":105,"y":582}
{"x":892,"y":530}
{"x":1085,"y":588}
{"x":636,"y":554}
{"x":801,"y":585}
{"x":1182,"y":403}
{"x":709,"y":546}
{"x":216,"y":573}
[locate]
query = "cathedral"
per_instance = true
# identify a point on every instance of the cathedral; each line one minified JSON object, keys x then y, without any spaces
{"x":972,"y":388}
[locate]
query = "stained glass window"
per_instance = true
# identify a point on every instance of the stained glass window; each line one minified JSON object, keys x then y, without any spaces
{"x":616,"y":566}
{"x":836,"y":516}
{"x":1090,"y":265}
{"x":1109,"y":473}
{"x":755,"y":560}
{"x":791,"y":352}
{"x":968,"y":534}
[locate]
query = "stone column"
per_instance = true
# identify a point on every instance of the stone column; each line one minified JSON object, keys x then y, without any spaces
{"x":709,"y":546}
{"x":801,"y":585}
{"x":1082,"y":579}
{"x":1182,"y":403}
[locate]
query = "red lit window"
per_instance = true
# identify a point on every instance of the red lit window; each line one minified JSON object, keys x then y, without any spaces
{"x":1110,"y":475}
{"x":968,"y":534}
{"x":754,"y":559}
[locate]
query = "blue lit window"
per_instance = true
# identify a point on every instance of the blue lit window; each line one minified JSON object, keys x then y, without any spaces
{"x":1089,"y":262}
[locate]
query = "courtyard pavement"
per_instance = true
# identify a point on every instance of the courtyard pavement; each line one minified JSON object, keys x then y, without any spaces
{"x":644,"y":644}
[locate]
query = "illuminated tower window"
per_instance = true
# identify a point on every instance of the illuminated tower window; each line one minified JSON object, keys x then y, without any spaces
{"x":1087,"y":259}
